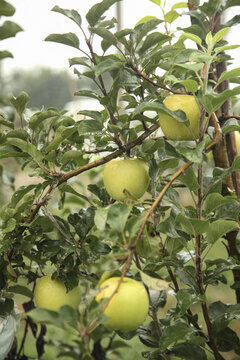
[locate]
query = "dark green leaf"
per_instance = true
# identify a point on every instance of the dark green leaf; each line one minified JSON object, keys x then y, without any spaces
{"x":18,"y":133}
{"x":188,"y":351}
{"x":69,"y":39}
{"x":227,"y":340}
{"x":214,"y":102}
{"x":9,"y":29}
{"x":5,"y":54}
{"x":97,"y":10}
{"x":219,"y":228}
{"x":88,"y":93}
{"x":194,"y":155}
{"x":210,"y":7}
{"x":6,"y":306}
{"x":20,"y":289}
{"x":89,"y":126}
{"x":82,"y":221}
{"x":6,"y":9}
{"x":186,"y":298}
{"x":71,"y":14}
{"x":174,"y":333}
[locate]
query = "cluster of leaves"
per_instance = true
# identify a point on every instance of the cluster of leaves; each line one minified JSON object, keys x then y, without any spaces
{"x":79,"y":234}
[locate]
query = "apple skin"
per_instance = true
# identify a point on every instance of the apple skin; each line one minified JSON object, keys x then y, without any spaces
{"x":52,"y":294}
{"x":173,"y":129}
{"x":126,"y":174}
{"x":128,"y":308}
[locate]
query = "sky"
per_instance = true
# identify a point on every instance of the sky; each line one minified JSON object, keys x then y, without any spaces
{"x":38,"y":21}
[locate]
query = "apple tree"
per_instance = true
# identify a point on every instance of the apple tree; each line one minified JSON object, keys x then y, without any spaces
{"x":153,"y":83}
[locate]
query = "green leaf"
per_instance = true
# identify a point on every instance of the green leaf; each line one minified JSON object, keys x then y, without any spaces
{"x":71,"y":14}
{"x":189,"y":179}
{"x":154,"y":283}
{"x":220,"y":34}
{"x":217,"y":50}
{"x":20,"y":289}
{"x":155,"y":38}
{"x":210,"y":7}
{"x":174,"y":333}
{"x":10,"y":151}
{"x":10,"y":226}
{"x":189,"y":84}
{"x":117,"y":216}
{"x":186,"y":298}
{"x":9,"y":29}
{"x":107,"y":65}
{"x":219,"y":228}
{"x":231,"y":3}
{"x":232,"y":22}
{"x":97,"y":10}
{"x":28,"y":148}
{"x":215,"y":200}
{"x":179,"y":5}
{"x":145,"y":19}
{"x":37,"y":118}
{"x":188,"y":351}
{"x":160,"y":108}
{"x":88,"y":93}
{"x":214,"y":102}
{"x":171,"y":16}
{"x":6,"y":9}
{"x":18,"y":133}
{"x":194,"y":155}
{"x":19,"y":102}
{"x":158,"y":2}
{"x":5,"y":122}
{"x":68,"y":189}
{"x":5,"y":54}
{"x":230,"y":125}
{"x":229,"y":74}
{"x":100,"y":218}
{"x":192,"y":37}
{"x":192,"y":226}
{"x":19,"y":194}
{"x":105,"y":34}
{"x":41,"y":315}
{"x":89,"y":126}
{"x":144,"y":28}
{"x":69,"y":39}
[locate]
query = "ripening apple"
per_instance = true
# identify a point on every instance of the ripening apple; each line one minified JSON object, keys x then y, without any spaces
{"x":175,"y":130}
{"x":128,"y":308}
{"x":126,"y":178}
{"x":52,"y":294}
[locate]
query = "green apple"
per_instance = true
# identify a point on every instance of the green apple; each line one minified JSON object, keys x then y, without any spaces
{"x":128,"y":308}
{"x":126,"y":178}
{"x":175,"y":130}
{"x":52,"y":294}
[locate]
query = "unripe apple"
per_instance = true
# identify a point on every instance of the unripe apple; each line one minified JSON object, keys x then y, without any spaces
{"x":175,"y":130}
{"x":126,"y":178}
{"x":128,"y":308}
{"x":52,"y":294}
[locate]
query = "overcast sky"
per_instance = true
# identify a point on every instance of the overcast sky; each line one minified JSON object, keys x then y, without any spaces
{"x":38,"y":21}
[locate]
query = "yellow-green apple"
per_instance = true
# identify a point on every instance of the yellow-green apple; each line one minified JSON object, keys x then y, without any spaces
{"x":126,"y":178}
{"x":52,"y":294}
{"x":127,"y":308}
{"x":175,"y":130}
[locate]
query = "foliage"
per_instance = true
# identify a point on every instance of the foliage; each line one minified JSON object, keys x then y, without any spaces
{"x":64,"y":223}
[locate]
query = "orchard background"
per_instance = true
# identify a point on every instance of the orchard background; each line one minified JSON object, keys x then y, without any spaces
{"x":181,"y":239}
